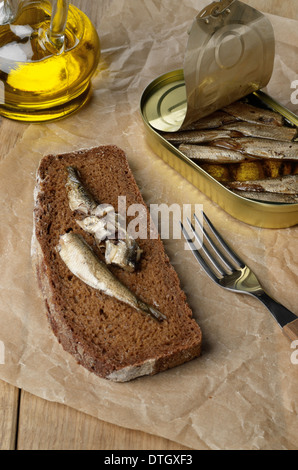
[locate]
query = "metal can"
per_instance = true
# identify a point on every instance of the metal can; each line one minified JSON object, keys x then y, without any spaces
{"x":221,"y":66}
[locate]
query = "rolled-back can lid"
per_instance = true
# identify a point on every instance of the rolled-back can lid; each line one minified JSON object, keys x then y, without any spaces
{"x":230,"y":54}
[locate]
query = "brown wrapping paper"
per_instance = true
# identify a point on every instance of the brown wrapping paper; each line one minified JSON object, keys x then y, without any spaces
{"x":242,"y":392}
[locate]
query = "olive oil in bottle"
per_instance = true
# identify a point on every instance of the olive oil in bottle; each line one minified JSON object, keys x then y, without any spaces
{"x":43,"y":75}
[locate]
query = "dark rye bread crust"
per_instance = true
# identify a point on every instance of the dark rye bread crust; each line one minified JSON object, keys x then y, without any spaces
{"x":107,"y":337}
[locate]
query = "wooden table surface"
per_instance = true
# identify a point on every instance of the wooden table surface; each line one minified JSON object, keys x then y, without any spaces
{"x":31,"y":423}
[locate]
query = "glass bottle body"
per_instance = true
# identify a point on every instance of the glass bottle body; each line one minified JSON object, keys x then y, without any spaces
{"x":48,"y":53}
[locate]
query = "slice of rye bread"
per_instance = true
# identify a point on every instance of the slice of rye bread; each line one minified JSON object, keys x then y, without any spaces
{"x":106,"y":336}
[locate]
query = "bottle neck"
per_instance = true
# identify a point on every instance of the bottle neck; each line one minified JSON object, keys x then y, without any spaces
{"x":58,"y":22}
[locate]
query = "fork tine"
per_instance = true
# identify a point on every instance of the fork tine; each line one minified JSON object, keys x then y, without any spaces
{"x":223,"y":259}
{"x":223,"y":244}
{"x":214,"y":263}
{"x":199,"y":258}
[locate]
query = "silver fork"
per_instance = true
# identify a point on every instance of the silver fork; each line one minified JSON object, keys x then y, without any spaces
{"x":227,"y":270}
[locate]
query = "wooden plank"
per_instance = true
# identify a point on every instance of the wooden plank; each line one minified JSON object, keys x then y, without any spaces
{"x":9,"y":402}
{"x":45,"y":425}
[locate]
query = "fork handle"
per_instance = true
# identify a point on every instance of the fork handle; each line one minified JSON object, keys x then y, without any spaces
{"x":286,"y":319}
{"x":291,"y":330}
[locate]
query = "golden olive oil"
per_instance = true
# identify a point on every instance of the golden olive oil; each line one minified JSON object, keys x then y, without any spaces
{"x":250,"y":171}
{"x":40,"y":81}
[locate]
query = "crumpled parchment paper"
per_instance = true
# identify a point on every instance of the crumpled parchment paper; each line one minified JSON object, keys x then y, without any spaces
{"x":242,"y":392}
